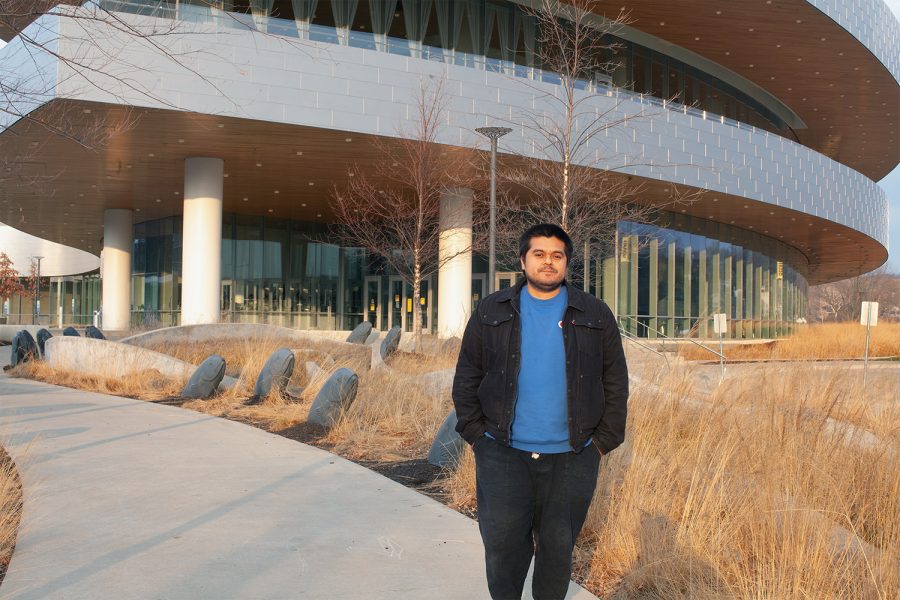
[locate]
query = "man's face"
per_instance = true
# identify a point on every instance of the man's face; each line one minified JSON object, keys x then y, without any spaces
{"x":545,"y":263}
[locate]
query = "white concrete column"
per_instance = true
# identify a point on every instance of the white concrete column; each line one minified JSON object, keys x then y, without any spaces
{"x":201,"y":259}
{"x":115,"y":269}
{"x":455,"y":255}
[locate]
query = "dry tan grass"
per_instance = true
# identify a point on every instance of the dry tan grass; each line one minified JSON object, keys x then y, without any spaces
{"x":759,"y":493}
{"x":10,"y":509}
{"x":829,"y":340}
{"x":416,"y":364}
{"x":391,"y":419}
{"x":275,"y":413}
{"x":143,"y":385}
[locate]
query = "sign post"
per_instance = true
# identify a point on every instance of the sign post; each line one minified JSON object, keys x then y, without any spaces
{"x":868,"y":317}
{"x":720,"y":326}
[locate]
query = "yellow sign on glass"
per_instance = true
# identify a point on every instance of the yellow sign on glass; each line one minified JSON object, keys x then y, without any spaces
{"x":409,"y":305}
{"x":626,"y":250}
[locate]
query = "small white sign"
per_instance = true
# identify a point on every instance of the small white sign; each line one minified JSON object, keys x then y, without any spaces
{"x":869,"y":314}
{"x":720,"y":323}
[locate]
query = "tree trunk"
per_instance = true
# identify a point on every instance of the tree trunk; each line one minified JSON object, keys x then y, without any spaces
{"x":587,"y":266}
{"x":564,"y":222}
{"x":416,"y":310}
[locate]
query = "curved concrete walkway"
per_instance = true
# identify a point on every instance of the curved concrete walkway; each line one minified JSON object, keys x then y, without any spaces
{"x":128,"y":499}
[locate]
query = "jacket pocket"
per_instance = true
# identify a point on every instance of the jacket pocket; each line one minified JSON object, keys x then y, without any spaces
{"x":495,"y":336}
{"x":591,"y":402}
{"x":493,"y":319}
{"x":495,"y":332}
{"x":588,"y":335}
{"x":490,"y":395}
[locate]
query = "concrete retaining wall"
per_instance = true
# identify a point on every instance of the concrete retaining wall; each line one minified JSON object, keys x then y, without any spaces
{"x":219,"y":331}
{"x":103,"y":358}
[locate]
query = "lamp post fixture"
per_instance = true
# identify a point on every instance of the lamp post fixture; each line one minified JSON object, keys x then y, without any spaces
{"x":36,"y":317}
{"x":493,"y":134}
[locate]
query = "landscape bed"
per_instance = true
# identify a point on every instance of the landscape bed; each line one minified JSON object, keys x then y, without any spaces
{"x":779,"y":483}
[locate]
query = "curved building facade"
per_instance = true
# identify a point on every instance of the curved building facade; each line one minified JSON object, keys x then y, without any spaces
{"x":70,"y":284}
{"x":236,"y":131}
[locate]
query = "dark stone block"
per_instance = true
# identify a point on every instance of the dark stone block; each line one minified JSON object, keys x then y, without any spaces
{"x":391,"y":342}
{"x":23,"y":348}
{"x":448,"y":445}
{"x":360,"y":333}
{"x":71,"y":332}
{"x":94,"y":333}
{"x":206,"y":379}
{"x":42,"y":336}
{"x":337,"y":394}
{"x":274,"y":375}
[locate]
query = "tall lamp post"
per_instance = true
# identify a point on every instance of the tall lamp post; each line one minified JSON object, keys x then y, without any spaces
{"x":36,"y":317}
{"x":493,"y":134}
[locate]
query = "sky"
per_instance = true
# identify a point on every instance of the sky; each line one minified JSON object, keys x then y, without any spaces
{"x":891,"y":187}
{"x":890,"y":184}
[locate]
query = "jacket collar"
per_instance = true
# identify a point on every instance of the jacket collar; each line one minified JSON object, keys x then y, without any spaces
{"x":511,"y":294}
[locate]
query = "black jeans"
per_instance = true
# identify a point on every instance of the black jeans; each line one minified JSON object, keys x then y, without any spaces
{"x":531,"y":507}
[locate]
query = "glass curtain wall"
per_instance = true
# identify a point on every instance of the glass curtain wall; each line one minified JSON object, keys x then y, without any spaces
{"x":273,"y":271}
{"x":279,"y":272}
{"x":77,"y":297}
{"x":156,"y":273}
{"x":670,"y":278}
{"x":494,"y":35}
{"x":673,"y":276}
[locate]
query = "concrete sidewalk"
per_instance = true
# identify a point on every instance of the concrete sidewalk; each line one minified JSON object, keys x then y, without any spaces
{"x":130,"y":500}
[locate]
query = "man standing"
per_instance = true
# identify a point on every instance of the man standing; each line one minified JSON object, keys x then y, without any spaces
{"x":541,"y":391}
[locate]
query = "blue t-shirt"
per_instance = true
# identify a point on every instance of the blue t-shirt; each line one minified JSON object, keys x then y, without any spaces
{"x":540,"y":423}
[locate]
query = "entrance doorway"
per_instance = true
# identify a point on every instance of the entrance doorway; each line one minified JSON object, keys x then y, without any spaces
{"x":396,"y":314}
{"x":372,"y":304}
{"x":400,"y":301}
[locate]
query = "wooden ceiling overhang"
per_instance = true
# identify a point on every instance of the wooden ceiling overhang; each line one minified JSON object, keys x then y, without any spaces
{"x":846,"y":96}
{"x":55,"y":188}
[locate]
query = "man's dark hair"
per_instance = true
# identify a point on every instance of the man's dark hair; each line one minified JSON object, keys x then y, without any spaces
{"x":544,"y":230}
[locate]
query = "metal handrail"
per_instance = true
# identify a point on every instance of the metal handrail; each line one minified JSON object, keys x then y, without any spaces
{"x":664,"y":336}
{"x":631,"y":337}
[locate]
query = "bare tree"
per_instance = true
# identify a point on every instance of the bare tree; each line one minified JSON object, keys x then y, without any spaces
{"x":392,"y":209}
{"x":842,"y":300}
{"x":579,"y":184}
{"x":28,"y":90}
{"x":95,"y":57}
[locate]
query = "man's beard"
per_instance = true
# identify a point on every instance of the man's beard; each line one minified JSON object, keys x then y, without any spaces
{"x":543,"y":286}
